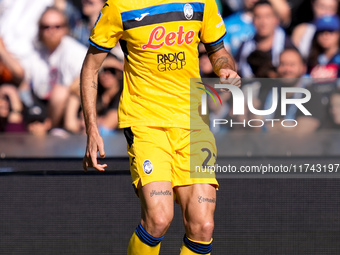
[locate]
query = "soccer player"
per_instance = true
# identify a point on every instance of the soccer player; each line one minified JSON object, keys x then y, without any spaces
{"x":160,"y":42}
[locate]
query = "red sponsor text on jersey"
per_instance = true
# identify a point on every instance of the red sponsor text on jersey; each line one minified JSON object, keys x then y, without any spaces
{"x":158,"y":37}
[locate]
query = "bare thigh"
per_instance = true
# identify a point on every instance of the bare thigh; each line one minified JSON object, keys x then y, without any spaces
{"x":198,"y":202}
{"x":157,"y":206}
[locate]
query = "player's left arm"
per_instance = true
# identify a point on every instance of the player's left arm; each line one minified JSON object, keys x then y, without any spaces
{"x":224,"y":65}
{"x":212,"y":34}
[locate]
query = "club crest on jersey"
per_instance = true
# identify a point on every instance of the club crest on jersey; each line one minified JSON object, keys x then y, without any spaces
{"x":147,"y":166}
{"x":188,"y":11}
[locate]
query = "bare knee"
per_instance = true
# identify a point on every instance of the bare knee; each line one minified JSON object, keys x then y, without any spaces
{"x":156,"y":224}
{"x":201,"y":230}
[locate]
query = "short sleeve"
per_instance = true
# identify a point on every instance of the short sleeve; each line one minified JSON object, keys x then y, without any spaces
{"x":213,"y":29}
{"x":108,"y":28}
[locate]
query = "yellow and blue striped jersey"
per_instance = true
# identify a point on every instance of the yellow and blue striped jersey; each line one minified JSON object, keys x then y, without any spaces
{"x":160,"y":42}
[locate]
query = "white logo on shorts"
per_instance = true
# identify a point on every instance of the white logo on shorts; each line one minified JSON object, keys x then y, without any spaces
{"x":147,"y":166}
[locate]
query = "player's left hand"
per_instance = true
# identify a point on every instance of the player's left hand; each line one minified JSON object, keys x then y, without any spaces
{"x":229,"y":76}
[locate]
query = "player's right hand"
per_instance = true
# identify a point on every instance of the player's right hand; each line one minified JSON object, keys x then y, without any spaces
{"x":94,"y":144}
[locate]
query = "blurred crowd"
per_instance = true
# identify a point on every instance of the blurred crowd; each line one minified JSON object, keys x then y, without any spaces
{"x":281,"y":44}
{"x":43,"y":44}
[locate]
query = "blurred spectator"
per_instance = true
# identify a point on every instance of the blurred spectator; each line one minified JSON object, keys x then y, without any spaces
{"x":239,"y":27}
{"x":83,"y":27}
{"x":269,"y":38}
{"x":292,"y":66}
{"x":11,"y":110}
{"x":232,"y":6}
{"x":261,"y":64}
{"x":72,"y":12}
{"x":301,"y":12}
{"x":324,"y":58}
{"x":283,"y":11}
{"x":303,"y":33}
{"x":110,"y":86}
{"x":18,"y":26}
{"x":262,"y":67}
{"x":53,"y":73}
{"x":292,"y":73}
{"x":10,"y":69}
{"x":333,"y":111}
{"x":281,"y":6}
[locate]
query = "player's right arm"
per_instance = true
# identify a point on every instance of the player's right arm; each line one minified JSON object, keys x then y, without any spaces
{"x":104,"y":36}
{"x":88,"y":90}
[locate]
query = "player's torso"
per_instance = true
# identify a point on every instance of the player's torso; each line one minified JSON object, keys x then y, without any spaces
{"x":161,"y":37}
{"x":160,"y":40}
